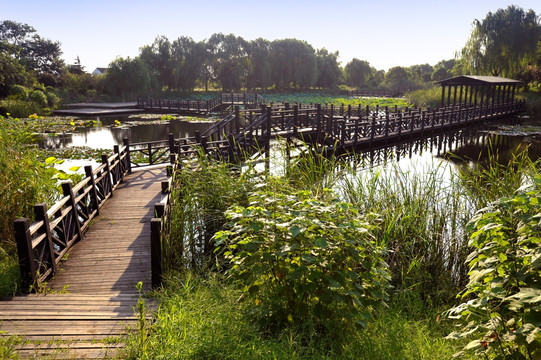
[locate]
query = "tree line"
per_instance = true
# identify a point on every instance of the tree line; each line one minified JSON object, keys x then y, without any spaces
{"x":505,"y":43}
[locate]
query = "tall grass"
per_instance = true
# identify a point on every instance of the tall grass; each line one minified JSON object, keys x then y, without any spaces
{"x":24,"y":181}
{"x":422,"y":218}
{"x":202,"y":194}
{"x":424,"y":98}
{"x":205,"y":318}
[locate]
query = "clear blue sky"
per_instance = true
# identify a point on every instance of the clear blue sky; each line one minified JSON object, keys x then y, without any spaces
{"x":385,"y":33}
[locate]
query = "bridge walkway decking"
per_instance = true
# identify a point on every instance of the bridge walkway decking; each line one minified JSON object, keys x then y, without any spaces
{"x":90,"y":303}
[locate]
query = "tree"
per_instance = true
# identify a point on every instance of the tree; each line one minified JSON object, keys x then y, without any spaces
{"x":397,"y":78}
{"x":440,"y":74}
{"x":128,"y":78}
{"x":293,"y":63}
{"x":11,"y":73}
{"x":421,"y":73}
{"x":502,"y":42}
{"x":328,"y":70}
{"x":187,"y":58}
{"x":21,"y":42}
{"x":358,"y":73}
{"x":158,"y":59}
{"x":229,"y":63}
{"x":259,"y":66}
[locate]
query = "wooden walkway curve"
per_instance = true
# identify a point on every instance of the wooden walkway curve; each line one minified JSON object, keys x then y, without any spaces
{"x":90,"y":302}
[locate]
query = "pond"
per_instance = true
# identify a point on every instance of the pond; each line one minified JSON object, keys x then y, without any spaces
{"x":468,"y":145}
{"x":110,"y":131}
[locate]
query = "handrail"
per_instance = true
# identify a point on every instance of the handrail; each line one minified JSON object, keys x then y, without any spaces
{"x":42,"y":244}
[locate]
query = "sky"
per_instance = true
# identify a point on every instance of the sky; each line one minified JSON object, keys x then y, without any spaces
{"x":386,"y":33}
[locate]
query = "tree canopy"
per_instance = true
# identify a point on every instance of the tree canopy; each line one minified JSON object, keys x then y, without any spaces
{"x":503,"y":42}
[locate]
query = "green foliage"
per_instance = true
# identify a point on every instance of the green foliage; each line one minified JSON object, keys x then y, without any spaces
{"x":502,"y":301}
{"x":302,"y":259}
{"x":502,"y":42}
{"x":359,"y":74}
{"x":128,"y":78}
{"x":19,"y":92}
{"x":38,"y":97}
{"x":494,"y":175}
{"x":199,"y":203}
{"x":19,"y":108}
{"x":24,"y":181}
{"x":200,"y":317}
{"x":337,"y":100}
{"x":424,"y":98}
{"x":397,"y":78}
{"x":422,"y":220}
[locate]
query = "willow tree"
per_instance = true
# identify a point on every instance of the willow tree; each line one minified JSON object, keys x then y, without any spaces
{"x":502,"y":42}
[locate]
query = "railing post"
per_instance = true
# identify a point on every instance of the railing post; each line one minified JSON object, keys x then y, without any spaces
{"x":318,"y":121}
{"x":172,"y":149}
{"x":295,"y":119}
{"x":27,"y":263}
{"x":237,"y":119}
{"x":105,"y":161}
{"x":94,"y":192}
{"x":40,"y":212}
{"x":197,"y":135}
{"x":156,"y":251}
{"x":119,"y":168}
{"x":126,"y":143}
{"x":66,"y":188}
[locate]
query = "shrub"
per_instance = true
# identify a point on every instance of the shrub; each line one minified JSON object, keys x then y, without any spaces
{"x":424,"y":98}
{"x":19,"y":108}
{"x":52,"y":99}
{"x":24,"y":181}
{"x":38,"y":97}
{"x":18,"y":92}
{"x":304,"y":260}
{"x":503,"y":307}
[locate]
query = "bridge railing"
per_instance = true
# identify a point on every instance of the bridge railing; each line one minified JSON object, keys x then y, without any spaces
{"x":42,"y":244}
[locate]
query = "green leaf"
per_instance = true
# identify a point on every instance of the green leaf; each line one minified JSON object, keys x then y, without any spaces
{"x":320,"y":242}
{"x":294,"y":230}
{"x":50,"y":160}
{"x":74,"y":168}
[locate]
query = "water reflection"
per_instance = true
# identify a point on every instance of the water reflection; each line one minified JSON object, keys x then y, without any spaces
{"x":473,"y":144}
{"x":105,"y":135}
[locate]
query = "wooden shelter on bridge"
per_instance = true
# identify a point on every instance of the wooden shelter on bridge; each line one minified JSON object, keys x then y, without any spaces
{"x":477,"y":90}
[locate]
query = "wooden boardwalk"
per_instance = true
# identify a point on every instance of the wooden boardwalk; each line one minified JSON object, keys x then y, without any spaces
{"x":90,"y":302}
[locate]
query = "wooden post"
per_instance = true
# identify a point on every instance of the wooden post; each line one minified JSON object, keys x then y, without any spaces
{"x":156,"y":251}
{"x":172,"y":149}
{"x":94,"y":192}
{"x":399,"y":125}
{"x":237,"y":119}
{"x":107,"y":177}
{"x":40,"y":213}
{"x":295,"y":119}
{"x":149,"y":149}
{"x":197,"y":135}
{"x":27,"y":263}
{"x":128,"y":157}
{"x":119,"y":169}
{"x":267,"y":142}
{"x":66,"y":188}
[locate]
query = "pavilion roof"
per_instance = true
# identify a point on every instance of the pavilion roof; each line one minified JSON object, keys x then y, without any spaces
{"x":477,"y":80}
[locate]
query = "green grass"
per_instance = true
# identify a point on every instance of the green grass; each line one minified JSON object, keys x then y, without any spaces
{"x":205,"y":318}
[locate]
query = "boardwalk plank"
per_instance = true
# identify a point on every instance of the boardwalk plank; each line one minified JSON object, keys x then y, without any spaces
{"x":99,"y":276}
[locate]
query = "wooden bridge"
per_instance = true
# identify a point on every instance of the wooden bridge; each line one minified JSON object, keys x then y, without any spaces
{"x":84,"y":256}
{"x":83,"y":259}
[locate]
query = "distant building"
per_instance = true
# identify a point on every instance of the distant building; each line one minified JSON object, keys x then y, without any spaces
{"x":99,"y":71}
